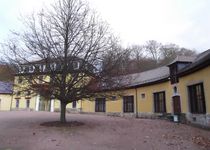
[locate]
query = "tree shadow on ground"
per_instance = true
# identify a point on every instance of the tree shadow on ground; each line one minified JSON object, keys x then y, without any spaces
{"x":60,"y":124}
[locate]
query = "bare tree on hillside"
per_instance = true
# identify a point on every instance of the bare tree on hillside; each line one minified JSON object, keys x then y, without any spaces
{"x":153,"y":48}
{"x":170,"y":51}
{"x":59,"y":37}
{"x":153,"y":54}
{"x":117,"y":61}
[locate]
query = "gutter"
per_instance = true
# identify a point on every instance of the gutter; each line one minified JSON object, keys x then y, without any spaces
{"x":165,"y":79}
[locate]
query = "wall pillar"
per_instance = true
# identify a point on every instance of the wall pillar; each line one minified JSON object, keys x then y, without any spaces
{"x":37,"y":102}
{"x":52,"y":105}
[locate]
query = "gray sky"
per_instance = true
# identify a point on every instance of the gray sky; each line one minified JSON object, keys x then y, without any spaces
{"x":183,"y":22}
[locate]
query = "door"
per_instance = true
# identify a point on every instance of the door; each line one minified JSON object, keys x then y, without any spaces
{"x":44,"y":105}
{"x":176,"y":105}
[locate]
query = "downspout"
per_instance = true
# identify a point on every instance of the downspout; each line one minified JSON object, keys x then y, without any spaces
{"x":11,"y":102}
{"x":136,"y":104}
{"x":11,"y":98}
{"x":81,"y":107}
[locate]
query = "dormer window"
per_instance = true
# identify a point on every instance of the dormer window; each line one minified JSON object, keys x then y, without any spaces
{"x":26,"y":69}
{"x":41,"y":68}
{"x":178,"y":64}
{"x":44,"y":68}
{"x":76,"y":65}
{"x":52,"y":66}
{"x":173,"y":74}
{"x":31,"y":68}
{"x":37,"y":68}
{"x":58,"y":66}
{"x":21,"y":69}
{"x":41,"y":79}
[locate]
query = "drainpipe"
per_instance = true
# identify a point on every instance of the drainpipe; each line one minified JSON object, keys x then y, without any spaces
{"x":81,"y":107}
{"x":136,"y":103}
{"x":12,"y":98}
{"x":11,"y":102}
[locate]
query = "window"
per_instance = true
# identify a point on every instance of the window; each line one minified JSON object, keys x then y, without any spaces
{"x":41,"y":79}
{"x":75,"y":65}
{"x":21,"y":69}
{"x":175,"y":90}
{"x":58,"y":66}
{"x":74,"y":104}
{"x":173,"y":74}
{"x":44,"y":68}
{"x":31,"y":68}
{"x":28,"y":93}
{"x":17,"y":103}
{"x":18,"y":93}
{"x":143,"y":96}
{"x":159,"y":102}
{"x":26,"y":69}
{"x":27,"y":103}
{"x":52,"y":66}
{"x":20,"y":79}
{"x":113,"y":98}
{"x":37,"y":69}
{"x":197,"y":99}
{"x":128,"y":104}
{"x":100,"y":105}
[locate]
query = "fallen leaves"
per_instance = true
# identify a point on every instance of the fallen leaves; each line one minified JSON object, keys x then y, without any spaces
{"x":202,"y":141}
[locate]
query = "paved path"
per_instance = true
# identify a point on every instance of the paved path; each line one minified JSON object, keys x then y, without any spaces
{"x":22,"y":131}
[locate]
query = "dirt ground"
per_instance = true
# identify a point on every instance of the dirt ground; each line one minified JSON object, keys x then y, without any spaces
{"x":22,"y":131}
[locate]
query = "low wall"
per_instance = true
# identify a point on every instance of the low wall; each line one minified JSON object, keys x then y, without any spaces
{"x":199,"y":119}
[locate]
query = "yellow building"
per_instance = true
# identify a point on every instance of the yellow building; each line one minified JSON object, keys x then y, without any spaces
{"x":25,"y":98}
{"x":5,"y":96}
{"x":182,"y":89}
{"x":30,"y":100}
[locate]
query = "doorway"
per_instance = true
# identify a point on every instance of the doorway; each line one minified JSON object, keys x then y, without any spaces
{"x":44,"y":105}
{"x":176,"y":105}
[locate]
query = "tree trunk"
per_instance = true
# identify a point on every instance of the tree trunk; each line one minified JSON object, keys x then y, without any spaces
{"x":63,"y":113}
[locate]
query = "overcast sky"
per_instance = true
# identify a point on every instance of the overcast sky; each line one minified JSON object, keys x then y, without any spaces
{"x":183,"y":22}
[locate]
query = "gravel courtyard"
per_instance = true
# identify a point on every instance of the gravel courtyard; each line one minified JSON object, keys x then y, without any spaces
{"x":22,"y":131}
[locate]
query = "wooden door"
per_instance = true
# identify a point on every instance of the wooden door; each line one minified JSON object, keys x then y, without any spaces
{"x":176,"y":105}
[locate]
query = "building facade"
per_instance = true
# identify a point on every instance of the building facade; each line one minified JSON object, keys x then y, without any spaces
{"x":5,"y":96}
{"x":182,"y":88}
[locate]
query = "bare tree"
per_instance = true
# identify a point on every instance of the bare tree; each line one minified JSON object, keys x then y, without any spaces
{"x":153,"y":48}
{"x":153,"y":54}
{"x":170,"y":51}
{"x":60,"y":37}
